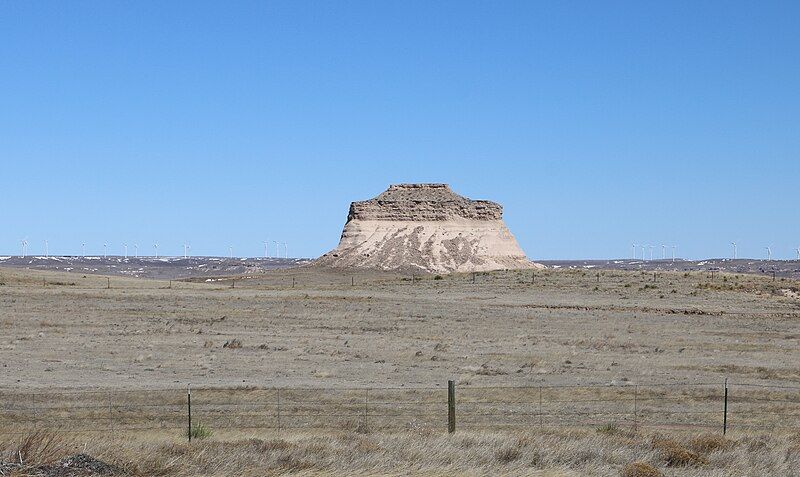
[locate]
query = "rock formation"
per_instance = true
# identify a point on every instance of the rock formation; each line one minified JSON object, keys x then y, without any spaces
{"x":426,"y":227}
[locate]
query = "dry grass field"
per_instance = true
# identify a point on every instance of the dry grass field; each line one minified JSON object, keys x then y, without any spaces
{"x":314,"y":372}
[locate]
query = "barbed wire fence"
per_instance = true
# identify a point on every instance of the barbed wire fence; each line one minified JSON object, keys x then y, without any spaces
{"x":714,"y":407}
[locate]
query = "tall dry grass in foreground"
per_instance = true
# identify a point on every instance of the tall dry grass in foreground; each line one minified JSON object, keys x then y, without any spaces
{"x":569,"y":453}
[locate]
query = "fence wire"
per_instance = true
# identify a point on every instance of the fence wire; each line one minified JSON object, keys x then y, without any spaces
{"x":672,"y":406}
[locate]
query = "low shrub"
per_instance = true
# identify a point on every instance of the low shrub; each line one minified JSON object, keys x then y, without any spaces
{"x":640,"y":469}
{"x":233,"y":344}
{"x":674,"y":454}
{"x":708,"y":443}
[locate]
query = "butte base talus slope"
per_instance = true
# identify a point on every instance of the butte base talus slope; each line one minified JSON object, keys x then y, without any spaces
{"x":426,"y":227}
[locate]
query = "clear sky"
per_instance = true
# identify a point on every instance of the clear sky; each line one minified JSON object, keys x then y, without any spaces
{"x":595,"y":124}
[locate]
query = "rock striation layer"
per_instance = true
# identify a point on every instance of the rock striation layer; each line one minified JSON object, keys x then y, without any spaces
{"x":426,"y":227}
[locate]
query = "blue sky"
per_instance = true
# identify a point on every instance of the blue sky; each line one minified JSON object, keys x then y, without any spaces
{"x":595,"y":124}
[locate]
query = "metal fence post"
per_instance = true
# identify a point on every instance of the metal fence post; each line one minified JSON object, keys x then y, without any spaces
{"x":541,"y":425}
{"x":279,"y":408}
{"x":366,"y":410}
{"x":635,"y":408}
{"x":451,"y":406}
{"x":725,"y":410}
{"x":189,"y":405}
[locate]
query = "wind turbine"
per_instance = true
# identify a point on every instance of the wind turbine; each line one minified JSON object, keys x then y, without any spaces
{"x":798,"y":252}
{"x":126,"y":250}
{"x":186,"y":248}
{"x":155,"y":246}
{"x":105,"y":249}
{"x":643,"y":257}
{"x":24,"y":247}
{"x":277,"y":250}
{"x":769,"y":253}
{"x":286,"y":250}
{"x":230,"y":249}
{"x":734,"y":250}
{"x":266,"y":248}
{"x":673,"y":253}
{"x":633,"y":246}
{"x":83,"y":249}
{"x":135,"y":250}
{"x":663,"y":252}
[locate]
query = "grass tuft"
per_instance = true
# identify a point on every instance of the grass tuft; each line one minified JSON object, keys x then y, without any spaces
{"x":199,"y":431}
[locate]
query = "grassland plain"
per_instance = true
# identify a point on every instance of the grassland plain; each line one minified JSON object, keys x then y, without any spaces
{"x":500,"y":333}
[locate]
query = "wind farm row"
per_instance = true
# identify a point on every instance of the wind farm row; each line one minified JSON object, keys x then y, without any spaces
{"x":735,"y":249}
{"x":280,"y":250}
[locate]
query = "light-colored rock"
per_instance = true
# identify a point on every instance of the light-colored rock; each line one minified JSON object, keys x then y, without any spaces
{"x":426,"y":227}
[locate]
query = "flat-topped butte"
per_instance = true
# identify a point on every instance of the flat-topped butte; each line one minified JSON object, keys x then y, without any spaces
{"x":423,"y":202}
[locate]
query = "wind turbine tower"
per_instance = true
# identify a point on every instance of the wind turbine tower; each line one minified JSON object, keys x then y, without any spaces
{"x":230,"y":251}
{"x":769,"y":254}
{"x":155,"y":246}
{"x":643,"y":257}
{"x":798,"y":252}
{"x":663,"y":252}
{"x":266,"y":248}
{"x":285,"y":250}
{"x":135,"y":250}
{"x":277,"y":249}
{"x":105,"y":249}
{"x":186,"y":248}
{"x":734,"y":250}
{"x":633,"y":248}
{"x":673,"y":253}
{"x":83,"y":249}
{"x":24,"y":247}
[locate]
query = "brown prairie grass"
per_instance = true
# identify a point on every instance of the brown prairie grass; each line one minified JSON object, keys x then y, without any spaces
{"x":563,"y":453}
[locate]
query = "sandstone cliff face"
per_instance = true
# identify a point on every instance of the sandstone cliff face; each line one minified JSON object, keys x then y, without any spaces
{"x":426,"y":227}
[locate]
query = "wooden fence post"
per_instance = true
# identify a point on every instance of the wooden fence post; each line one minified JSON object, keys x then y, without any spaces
{"x":451,"y":406}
